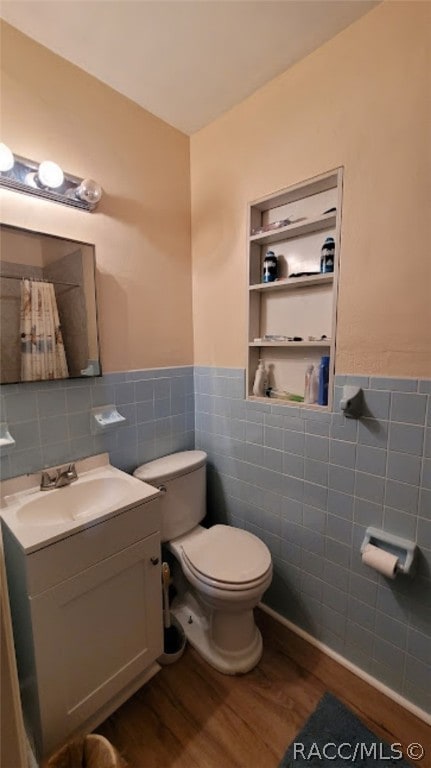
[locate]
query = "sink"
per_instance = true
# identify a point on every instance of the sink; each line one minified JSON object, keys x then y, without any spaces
{"x":38,"y":518}
{"x":84,"y":498}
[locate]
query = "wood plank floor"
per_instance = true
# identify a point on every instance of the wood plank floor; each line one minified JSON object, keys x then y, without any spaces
{"x":190,"y":716}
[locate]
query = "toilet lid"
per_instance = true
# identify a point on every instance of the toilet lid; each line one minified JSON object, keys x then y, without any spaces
{"x":228,"y":555}
{"x":171,"y":466}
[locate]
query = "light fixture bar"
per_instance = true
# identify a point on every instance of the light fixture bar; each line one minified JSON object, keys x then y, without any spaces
{"x":22,"y":177}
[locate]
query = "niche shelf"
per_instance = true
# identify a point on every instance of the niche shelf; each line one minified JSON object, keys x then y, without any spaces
{"x":303,"y":306}
{"x":295,"y":229}
{"x":293,"y":283}
{"x":281,"y":401}
{"x":292,"y":344}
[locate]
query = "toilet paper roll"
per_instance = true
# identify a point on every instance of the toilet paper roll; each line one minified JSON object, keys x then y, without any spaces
{"x":380,"y":560}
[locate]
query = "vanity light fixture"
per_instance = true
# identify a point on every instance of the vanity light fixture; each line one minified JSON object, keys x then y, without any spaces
{"x":47,"y":180}
{"x":89,"y":191}
{"x":6,"y":158}
{"x":50,"y":175}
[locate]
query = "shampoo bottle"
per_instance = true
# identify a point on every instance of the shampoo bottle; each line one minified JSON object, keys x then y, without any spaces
{"x":327,"y":255}
{"x":260,"y":380}
{"x":270,"y":267}
{"x":323,"y":380}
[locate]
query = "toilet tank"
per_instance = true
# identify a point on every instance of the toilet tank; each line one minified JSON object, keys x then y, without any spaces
{"x":182,"y":479}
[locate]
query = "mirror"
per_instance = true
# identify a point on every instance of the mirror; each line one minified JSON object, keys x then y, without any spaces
{"x":47,"y":307}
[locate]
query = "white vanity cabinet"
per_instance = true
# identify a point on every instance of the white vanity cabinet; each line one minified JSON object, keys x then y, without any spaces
{"x":87,"y":615}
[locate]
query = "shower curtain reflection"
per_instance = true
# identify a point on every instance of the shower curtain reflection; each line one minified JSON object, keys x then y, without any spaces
{"x":42,"y":349}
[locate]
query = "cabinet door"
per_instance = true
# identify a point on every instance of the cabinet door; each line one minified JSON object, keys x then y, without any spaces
{"x":93,"y":634}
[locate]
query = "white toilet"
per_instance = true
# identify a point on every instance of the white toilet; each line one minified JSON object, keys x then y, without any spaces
{"x":224,"y":570}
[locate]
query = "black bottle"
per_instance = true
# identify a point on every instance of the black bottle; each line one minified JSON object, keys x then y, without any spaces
{"x":327,"y":257}
{"x":270,"y":267}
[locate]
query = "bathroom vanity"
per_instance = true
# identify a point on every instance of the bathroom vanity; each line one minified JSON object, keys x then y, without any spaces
{"x":83,"y":566}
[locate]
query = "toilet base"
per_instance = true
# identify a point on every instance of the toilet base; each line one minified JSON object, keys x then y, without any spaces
{"x":196,"y":624}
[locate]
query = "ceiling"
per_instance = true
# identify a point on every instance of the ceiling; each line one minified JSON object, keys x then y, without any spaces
{"x":186,"y":61}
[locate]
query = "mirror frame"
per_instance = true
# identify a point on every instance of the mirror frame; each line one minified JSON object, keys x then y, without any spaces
{"x":27,"y":230}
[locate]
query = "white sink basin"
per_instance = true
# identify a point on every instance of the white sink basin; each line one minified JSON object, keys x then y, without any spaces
{"x":83,"y":498}
{"x":38,"y":518}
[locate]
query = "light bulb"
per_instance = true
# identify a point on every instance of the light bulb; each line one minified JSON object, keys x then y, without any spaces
{"x":89,"y":191}
{"x":50,"y":174}
{"x":6,"y":158}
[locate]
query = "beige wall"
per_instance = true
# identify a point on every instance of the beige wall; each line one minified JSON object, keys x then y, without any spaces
{"x":141,"y":230}
{"x":362,"y":101}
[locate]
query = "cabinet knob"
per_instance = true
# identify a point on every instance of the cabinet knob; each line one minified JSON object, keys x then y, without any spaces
{"x":154,"y":560}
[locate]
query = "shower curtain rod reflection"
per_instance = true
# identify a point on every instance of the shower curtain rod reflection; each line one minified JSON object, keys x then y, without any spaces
{"x":40,"y":280}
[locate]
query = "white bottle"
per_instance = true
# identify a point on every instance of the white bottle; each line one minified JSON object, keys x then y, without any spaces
{"x":314,"y":388}
{"x":308,"y":387}
{"x":260,"y":380}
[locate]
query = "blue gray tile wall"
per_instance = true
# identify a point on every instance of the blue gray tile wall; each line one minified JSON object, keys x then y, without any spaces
{"x":309,"y":483}
{"x":50,"y":421}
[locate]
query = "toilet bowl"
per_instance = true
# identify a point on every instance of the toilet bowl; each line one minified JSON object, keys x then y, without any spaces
{"x":222,"y":572}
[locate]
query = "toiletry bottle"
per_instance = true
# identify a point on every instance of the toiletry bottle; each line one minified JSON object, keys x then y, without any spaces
{"x":308,"y":394}
{"x":327,"y":257}
{"x":260,"y":380}
{"x":315,"y":384}
{"x":270,"y":267}
{"x":323,"y":380}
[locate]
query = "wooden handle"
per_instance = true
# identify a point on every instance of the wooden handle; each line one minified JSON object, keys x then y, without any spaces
{"x":166,"y":575}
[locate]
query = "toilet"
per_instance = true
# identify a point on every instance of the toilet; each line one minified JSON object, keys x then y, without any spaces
{"x":222,"y":572}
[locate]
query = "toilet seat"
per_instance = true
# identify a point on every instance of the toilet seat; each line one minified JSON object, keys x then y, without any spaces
{"x":223,"y":586}
{"x":227,"y":558}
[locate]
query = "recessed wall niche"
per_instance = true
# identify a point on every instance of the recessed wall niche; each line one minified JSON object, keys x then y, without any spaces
{"x":39,"y":260}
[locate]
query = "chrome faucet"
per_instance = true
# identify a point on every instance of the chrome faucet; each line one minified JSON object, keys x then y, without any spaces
{"x":62,"y":476}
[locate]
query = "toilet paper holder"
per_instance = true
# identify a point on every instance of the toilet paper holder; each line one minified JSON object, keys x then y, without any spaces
{"x":404,"y":549}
